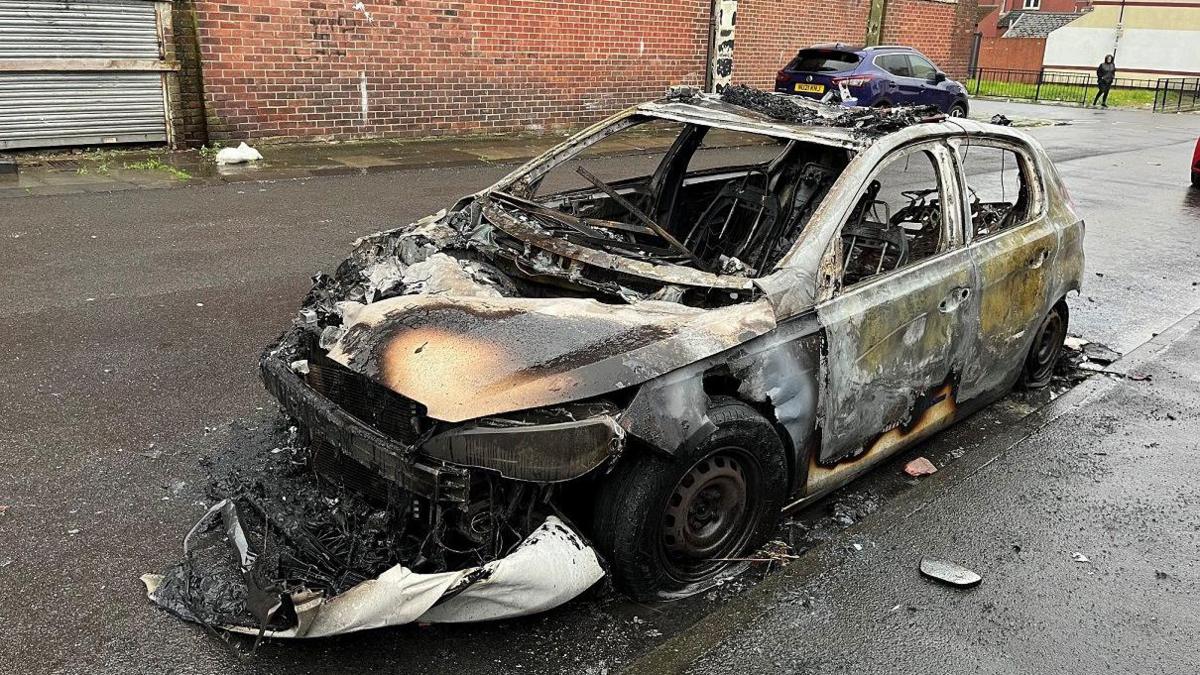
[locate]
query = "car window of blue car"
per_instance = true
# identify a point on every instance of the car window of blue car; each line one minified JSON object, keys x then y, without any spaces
{"x":896,"y":64}
{"x":823,"y":61}
{"x":921,"y":68}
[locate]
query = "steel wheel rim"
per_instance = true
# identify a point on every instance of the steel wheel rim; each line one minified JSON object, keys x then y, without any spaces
{"x":709,"y":516}
{"x":1047,"y":343}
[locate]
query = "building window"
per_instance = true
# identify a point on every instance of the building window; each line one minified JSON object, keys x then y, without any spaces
{"x":1033,"y":4}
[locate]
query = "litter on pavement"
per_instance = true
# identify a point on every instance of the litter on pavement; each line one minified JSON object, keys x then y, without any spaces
{"x":239,"y":155}
{"x":949,"y":573}
{"x":920,"y":467}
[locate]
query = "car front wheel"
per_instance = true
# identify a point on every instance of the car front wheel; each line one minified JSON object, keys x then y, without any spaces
{"x":673,"y":526}
{"x":958,"y":110}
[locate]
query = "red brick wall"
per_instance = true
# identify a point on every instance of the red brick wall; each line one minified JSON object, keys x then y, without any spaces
{"x":940,"y":30}
{"x":770,"y":32}
{"x":293,"y":67}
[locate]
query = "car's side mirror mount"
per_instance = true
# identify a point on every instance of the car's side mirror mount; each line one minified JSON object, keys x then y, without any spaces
{"x":938,"y":77}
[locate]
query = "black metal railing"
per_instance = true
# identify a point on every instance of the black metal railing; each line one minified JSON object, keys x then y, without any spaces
{"x":1043,"y":85}
{"x":1177,"y":94}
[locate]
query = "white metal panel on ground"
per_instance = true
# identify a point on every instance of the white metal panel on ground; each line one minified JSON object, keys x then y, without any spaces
{"x":53,"y":109}
{"x":58,"y":29}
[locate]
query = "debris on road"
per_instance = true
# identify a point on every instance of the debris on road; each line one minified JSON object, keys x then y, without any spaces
{"x":241,"y":154}
{"x":1079,"y":557}
{"x":920,"y":466}
{"x":949,"y":573}
{"x":1099,"y":353}
{"x":1079,"y":360}
{"x":1001,"y":120}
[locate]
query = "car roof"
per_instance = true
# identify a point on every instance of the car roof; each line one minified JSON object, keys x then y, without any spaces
{"x":859,"y":49}
{"x":713,"y":110}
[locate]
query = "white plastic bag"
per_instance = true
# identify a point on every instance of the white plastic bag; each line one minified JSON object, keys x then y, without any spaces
{"x":238,"y":155}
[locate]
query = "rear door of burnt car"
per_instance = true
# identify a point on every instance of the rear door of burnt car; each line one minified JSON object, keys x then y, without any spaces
{"x":1014,"y":245}
{"x":897,"y":340}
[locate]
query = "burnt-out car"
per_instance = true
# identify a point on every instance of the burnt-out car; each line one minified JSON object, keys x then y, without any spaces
{"x":680,"y":322}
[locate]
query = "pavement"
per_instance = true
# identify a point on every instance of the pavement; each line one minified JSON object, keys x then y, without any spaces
{"x":132,"y":320}
{"x":108,"y":170}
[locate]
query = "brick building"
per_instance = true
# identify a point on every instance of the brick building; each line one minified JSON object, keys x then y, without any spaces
{"x":342,"y":69}
{"x":310,"y":68}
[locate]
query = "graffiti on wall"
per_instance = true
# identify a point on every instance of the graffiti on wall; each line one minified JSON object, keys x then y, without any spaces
{"x":721,"y":67}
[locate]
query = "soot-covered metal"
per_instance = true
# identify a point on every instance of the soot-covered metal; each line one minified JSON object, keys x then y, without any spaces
{"x":494,"y":397}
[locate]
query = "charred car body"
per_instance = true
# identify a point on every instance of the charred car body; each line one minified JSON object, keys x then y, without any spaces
{"x":785,"y":295}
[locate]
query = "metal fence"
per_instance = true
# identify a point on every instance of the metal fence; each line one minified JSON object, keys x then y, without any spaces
{"x":1177,"y":94}
{"x":1043,"y":85}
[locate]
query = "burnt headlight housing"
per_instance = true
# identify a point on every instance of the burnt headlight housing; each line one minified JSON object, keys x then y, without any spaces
{"x":546,"y":445}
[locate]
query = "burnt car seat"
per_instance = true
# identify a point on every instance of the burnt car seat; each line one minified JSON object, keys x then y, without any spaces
{"x":735,"y":218}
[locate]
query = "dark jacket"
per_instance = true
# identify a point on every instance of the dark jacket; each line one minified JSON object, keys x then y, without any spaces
{"x":1106,"y":72}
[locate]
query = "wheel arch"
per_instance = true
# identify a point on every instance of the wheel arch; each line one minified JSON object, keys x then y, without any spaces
{"x":720,"y":382}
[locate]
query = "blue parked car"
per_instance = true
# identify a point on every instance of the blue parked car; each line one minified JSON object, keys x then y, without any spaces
{"x":881,"y":77}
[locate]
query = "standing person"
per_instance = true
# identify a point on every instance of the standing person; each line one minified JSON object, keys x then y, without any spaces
{"x":1105,"y":74}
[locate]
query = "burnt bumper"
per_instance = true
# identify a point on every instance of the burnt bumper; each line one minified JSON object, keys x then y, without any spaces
{"x":328,"y":423}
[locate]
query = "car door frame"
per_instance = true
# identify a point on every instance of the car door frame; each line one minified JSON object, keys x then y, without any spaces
{"x":1013,"y":266}
{"x":905,"y":89}
{"x":861,"y":341}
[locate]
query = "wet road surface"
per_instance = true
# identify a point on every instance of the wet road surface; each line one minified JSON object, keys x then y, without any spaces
{"x":1084,"y":532}
{"x":132,"y":322}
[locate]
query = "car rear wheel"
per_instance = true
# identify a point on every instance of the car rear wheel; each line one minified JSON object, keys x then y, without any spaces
{"x":673,"y":526}
{"x":1046,"y":347}
{"x":957,"y":110}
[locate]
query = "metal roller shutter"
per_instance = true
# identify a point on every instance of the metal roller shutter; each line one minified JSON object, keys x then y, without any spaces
{"x":80,"y":72}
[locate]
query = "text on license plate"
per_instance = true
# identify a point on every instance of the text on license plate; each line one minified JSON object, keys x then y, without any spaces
{"x":810,"y":88}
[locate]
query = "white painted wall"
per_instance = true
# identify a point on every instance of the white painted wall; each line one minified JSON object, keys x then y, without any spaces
{"x":1138,"y":49}
{"x":1082,"y":47}
{"x":1177,"y":50}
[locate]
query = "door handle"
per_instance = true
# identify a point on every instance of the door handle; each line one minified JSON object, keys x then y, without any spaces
{"x":954,"y":299}
{"x":1038,"y":259}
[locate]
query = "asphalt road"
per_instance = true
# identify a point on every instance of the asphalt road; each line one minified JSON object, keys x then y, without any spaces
{"x":131,"y":324}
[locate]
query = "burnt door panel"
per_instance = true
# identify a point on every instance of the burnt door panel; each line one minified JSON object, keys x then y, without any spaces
{"x":897,"y":343}
{"x":1013,"y":246}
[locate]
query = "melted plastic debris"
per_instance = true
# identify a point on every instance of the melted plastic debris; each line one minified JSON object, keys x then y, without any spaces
{"x":788,"y":109}
{"x":287,"y":552}
{"x":304,"y":533}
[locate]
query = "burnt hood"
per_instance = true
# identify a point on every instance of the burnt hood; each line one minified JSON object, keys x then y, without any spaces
{"x":465,"y":357}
